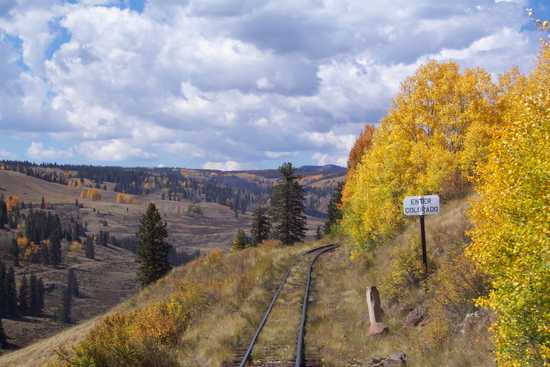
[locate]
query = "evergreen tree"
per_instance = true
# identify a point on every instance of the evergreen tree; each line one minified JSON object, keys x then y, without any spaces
{"x":288,"y":207}
{"x":334,"y":213}
{"x":34,"y":304}
{"x":14,"y":251}
{"x":63,"y":313}
{"x":3,"y":213}
{"x":72,"y":283}
{"x":153,"y":250}
{"x":260,"y":226}
{"x":11,"y":293}
{"x":240,"y":241}
{"x":24,"y":296}
{"x":3,"y":291}
{"x":3,"y":336}
{"x":89,"y":248}
{"x":55,"y":248}
{"x":45,"y":254}
{"x":41,"y":294}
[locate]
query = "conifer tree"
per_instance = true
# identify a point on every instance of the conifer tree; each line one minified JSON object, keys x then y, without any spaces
{"x":3,"y":336}
{"x":288,"y":207}
{"x":153,"y":250}
{"x":34,"y":304}
{"x":240,"y":241}
{"x":3,"y":290}
{"x":41,"y":293}
{"x":63,"y":313}
{"x":334,"y":213}
{"x":89,"y":248}
{"x":260,"y":226}
{"x":24,"y":296}
{"x":11,"y":293}
{"x":55,"y":248}
{"x":3,"y":213}
{"x":14,"y":250}
{"x":72,"y":283}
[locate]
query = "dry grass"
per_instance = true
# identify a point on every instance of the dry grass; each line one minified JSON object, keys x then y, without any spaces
{"x":237,"y":288}
{"x":339,"y":317}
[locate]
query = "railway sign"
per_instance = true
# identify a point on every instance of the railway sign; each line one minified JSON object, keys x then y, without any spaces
{"x":421,"y":206}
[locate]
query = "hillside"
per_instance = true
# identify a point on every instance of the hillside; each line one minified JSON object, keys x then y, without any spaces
{"x":240,"y":190}
{"x":338,"y":321}
{"x":194,"y":227}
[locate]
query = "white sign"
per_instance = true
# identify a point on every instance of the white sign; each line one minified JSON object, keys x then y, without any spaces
{"x":421,"y":205}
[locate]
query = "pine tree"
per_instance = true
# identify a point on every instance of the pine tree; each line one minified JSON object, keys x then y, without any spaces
{"x":153,"y":250}
{"x":11,"y":294}
{"x":260,"y":226}
{"x":72,"y":283}
{"x":34,"y":304}
{"x":288,"y":207}
{"x":89,"y":248}
{"x":24,"y":296}
{"x":3,"y":291}
{"x":63,"y":313}
{"x":41,"y":294}
{"x":240,"y":241}
{"x":334,"y":213}
{"x":3,"y":213}
{"x":3,"y":336}
{"x":55,"y":248}
{"x":14,"y":250}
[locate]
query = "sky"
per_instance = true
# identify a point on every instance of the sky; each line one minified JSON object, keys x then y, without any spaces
{"x":228,"y":84}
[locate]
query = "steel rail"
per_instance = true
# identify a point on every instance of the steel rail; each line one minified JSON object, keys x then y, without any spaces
{"x":262,"y":323}
{"x":301,"y":331}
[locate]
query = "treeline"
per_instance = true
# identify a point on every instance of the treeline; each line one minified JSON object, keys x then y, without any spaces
{"x":237,"y":193}
{"x":453,"y":132}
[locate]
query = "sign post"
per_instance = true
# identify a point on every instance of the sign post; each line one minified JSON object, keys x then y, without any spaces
{"x":422,"y":206}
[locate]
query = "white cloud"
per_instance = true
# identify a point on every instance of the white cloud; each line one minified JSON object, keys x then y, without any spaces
{"x":223,"y":166}
{"x":37,"y":151}
{"x":113,"y":150}
{"x":216,"y":82}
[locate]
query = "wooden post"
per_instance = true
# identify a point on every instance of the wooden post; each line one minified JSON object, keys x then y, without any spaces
{"x":423,"y":241}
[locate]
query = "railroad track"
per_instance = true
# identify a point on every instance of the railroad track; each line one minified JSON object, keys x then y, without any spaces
{"x":279,"y":337}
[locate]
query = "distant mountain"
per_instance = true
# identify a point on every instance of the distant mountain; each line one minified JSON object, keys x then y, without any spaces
{"x":241,"y":190}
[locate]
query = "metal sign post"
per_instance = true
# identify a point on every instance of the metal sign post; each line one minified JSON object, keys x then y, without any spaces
{"x":422,"y":206}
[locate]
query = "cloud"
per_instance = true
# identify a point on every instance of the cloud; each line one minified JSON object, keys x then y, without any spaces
{"x":222,"y":166}
{"x":37,"y":151}
{"x":113,"y":150}
{"x":216,"y":82}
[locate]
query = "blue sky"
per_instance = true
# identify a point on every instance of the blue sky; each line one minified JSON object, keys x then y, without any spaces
{"x":229,"y":84}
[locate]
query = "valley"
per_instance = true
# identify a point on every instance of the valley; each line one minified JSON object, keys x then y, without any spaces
{"x":195,"y":227}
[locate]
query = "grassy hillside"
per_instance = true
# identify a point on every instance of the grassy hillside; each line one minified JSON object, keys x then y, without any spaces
{"x":443,"y":301}
{"x":196,"y":316}
{"x":201,"y":313}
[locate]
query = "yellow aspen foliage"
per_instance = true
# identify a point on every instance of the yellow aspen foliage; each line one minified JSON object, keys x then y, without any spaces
{"x":511,"y":237}
{"x":430,"y":142}
{"x":90,"y":194}
{"x":22,"y":241}
{"x":11,"y":202}
{"x":125,"y":199}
